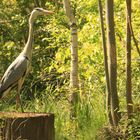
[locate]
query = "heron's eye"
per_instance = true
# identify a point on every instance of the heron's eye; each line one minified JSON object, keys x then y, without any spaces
{"x":38,"y":9}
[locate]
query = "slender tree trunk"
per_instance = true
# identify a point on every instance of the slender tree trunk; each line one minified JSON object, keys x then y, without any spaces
{"x":128,"y":60}
{"x":36,"y":3}
{"x":108,"y":97}
{"x":112,"y":62}
{"x":74,"y":56}
{"x":43,"y":3}
{"x":40,"y":3}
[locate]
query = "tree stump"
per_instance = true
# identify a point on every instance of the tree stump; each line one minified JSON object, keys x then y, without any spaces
{"x":26,"y":126}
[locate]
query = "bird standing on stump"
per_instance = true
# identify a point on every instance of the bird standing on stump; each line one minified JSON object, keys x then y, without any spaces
{"x":17,"y":71}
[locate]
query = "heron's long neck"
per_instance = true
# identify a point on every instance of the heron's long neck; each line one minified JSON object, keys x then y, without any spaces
{"x":28,"y":47}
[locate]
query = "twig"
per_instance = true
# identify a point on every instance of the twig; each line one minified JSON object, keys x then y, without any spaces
{"x":132,"y":34}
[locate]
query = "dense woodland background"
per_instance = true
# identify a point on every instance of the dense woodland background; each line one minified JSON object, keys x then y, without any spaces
{"x":46,"y":88}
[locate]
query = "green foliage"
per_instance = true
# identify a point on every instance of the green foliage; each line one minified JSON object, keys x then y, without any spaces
{"x":46,"y":88}
{"x":134,"y":127}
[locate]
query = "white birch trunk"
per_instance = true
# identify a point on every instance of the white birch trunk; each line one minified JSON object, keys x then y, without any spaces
{"x":74,"y":52}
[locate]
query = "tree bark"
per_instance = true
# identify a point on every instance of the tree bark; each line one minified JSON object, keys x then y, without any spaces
{"x":74,"y":55}
{"x":36,"y":3}
{"x":131,"y":28}
{"x":108,"y":96}
{"x":30,"y":126}
{"x":128,"y":60}
{"x":43,"y":2}
{"x":112,"y":62}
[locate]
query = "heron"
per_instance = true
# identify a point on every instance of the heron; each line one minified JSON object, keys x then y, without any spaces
{"x":15,"y":74}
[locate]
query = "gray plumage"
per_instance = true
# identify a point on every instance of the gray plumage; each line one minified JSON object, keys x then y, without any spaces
{"x":17,"y":71}
{"x":13,"y":74}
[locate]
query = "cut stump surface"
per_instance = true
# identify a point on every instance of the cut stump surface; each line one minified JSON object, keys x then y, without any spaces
{"x":26,"y":126}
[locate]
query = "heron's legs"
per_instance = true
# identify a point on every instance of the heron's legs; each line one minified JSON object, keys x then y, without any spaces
{"x":18,"y":99}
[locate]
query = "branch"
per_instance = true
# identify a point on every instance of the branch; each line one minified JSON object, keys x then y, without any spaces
{"x":132,"y":33}
{"x":69,"y":12}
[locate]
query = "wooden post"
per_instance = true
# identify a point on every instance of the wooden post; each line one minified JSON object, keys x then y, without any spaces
{"x":27,"y":126}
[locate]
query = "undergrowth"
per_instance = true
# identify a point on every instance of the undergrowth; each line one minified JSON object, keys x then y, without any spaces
{"x":90,"y":114}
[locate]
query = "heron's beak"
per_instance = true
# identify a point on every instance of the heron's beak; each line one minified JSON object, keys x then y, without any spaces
{"x":46,"y":12}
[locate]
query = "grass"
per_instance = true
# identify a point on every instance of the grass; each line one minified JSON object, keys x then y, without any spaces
{"x":90,"y":114}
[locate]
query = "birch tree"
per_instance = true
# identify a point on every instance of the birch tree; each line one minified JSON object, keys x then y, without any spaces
{"x":74,"y":55}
